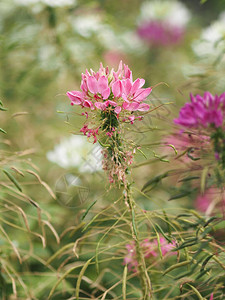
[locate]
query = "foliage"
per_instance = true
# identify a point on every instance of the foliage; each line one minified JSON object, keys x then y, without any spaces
{"x":65,"y":230}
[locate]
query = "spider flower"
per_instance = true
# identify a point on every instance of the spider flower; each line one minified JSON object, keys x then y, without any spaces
{"x":150,"y":250}
{"x":162,"y":23}
{"x":203,"y":111}
{"x":160,"y":33}
{"x":110,"y":98}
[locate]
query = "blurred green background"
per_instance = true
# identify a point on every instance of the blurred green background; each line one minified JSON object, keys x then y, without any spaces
{"x":44,"y":48}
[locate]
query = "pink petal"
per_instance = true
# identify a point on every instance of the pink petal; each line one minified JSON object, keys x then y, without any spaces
{"x":120,"y":67}
{"x":105,"y":94}
{"x":141,"y":94}
{"x":102,"y":84}
{"x":117,"y":110}
{"x":125,"y":105}
{"x":142,"y":82}
{"x":92,"y":84}
{"x":133,"y":106}
{"x":100,"y":105}
{"x":76,"y":97}
{"x":113,"y":103}
{"x":88,"y":104}
{"x":83,"y":85}
{"x":143,"y":107}
{"x":131,"y":118}
{"x":117,"y":88}
{"x":125,"y":98}
{"x":127,"y":85}
{"x":135,"y":86}
{"x":127,"y":72}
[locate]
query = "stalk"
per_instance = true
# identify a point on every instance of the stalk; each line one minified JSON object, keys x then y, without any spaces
{"x":117,"y":154}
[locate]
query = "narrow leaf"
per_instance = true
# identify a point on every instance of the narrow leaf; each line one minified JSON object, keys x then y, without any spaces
{"x":12,"y":178}
{"x":80,"y":277}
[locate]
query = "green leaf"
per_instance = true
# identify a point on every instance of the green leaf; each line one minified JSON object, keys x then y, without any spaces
{"x":178,"y":265}
{"x":155,"y":180}
{"x":3,"y":131}
{"x":196,"y":291}
{"x":87,"y":210}
{"x":12,"y":178}
{"x":159,"y":245}
{"x":189,"y":178}
{"x":124,"y":282}
{"x":181,"y":195}
{"x":162,"y":232}
{"x":80,"y":277}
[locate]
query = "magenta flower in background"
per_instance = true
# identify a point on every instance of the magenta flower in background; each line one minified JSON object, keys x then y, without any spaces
{"x":211,"y":297}
{"x":112,"y":93}
{"x":202,"y":111}
{"x":160,"y":33}
{"x":212,"y":199}
{"x":150,"y":250}
{"x":182,"y":141}
{"x":162,"y":22}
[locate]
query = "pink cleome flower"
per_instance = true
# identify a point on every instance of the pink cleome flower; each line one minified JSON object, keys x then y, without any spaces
{"x":203,"y":111}
{"x":111,"y":91}
{"x":150,"y":250}
{"x":160,"y":33}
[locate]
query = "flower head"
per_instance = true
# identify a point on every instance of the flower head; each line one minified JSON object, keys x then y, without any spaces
{"x":160,"y":33}
{"x":203,"y":111}
{"x":162,"y":23}
{"x":108,"y":93}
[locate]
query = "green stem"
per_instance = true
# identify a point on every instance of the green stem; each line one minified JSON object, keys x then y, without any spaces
{"x":143,"y":274}
{"x":116,"y":147}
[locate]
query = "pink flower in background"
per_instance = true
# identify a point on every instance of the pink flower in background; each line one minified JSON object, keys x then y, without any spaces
{"x":150,"y":250}
{"x":212,"y":199}
{"x":110,"y":92}
{"x":113,"y":57}
{"x":202,"y":111}
{"x":183,"y":140}
{"x":130,"y":259}
{"x":162,"y":23}
{"x":160,"y":33}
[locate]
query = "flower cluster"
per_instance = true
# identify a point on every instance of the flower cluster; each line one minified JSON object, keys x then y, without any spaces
{"x":203,"y":111}
{"x":112,"y":96}
{"x":162,"y":23}
{"x":150,"y":250}
{"x":205,"y":116}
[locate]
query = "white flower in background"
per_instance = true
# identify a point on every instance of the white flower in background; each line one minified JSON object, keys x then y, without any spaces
{"x":212,"y":41}
{"x":86,"y":25}
{"x":92,"y":25}
{"x":77,"y":152}
{"x":59,"y":3}
{"x":53,"y":3}
{"x":26,"y":2}
{"x":170,"y":11}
